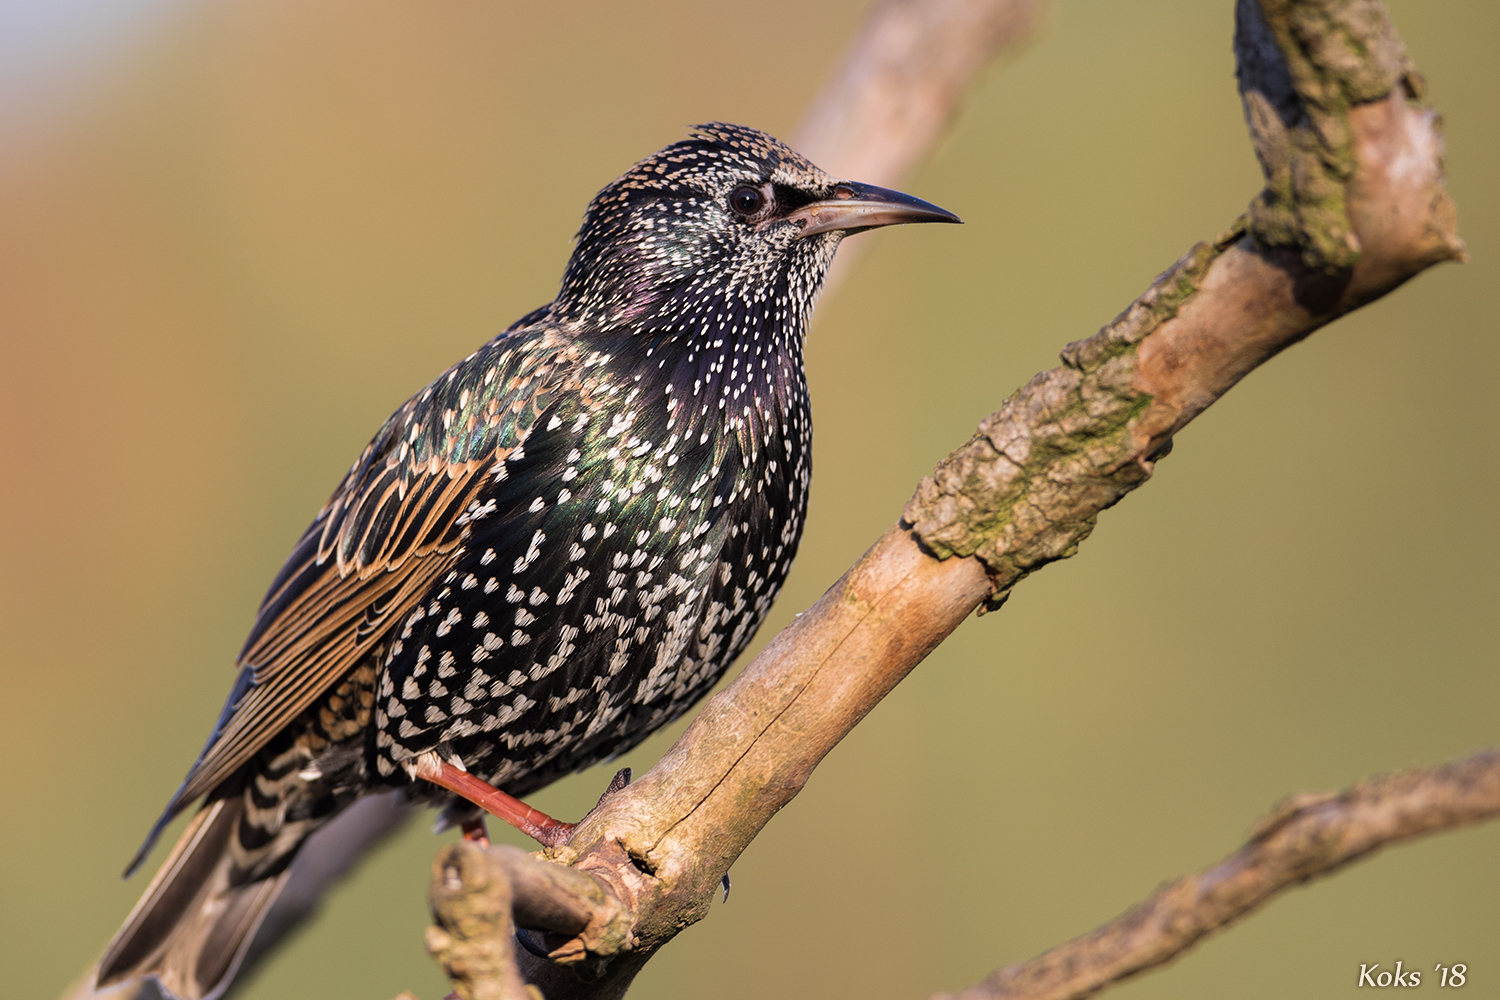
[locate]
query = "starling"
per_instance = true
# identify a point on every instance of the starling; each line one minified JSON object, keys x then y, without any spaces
{"x":549,"y":552}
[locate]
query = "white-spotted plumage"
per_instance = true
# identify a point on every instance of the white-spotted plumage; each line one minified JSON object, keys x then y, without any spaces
{"x":551,"y":550}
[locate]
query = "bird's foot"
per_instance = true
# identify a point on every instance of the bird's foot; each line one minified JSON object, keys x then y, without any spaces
{"x":619,"y":781}
{"x":475,"y":831}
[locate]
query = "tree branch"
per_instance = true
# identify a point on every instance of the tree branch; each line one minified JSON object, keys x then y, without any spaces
{"x":1354,"y":205}
{"x":900,"y":85}
{"x":1303,"y":837}
{"x":1026,"y":490}
{"x":903,"y":79}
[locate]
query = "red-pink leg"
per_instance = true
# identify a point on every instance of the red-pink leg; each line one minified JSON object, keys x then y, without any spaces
{"x":475,"y":831}
{"x":537,"y":825}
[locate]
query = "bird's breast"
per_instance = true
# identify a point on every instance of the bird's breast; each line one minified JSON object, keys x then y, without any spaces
{"x":624,"y":556}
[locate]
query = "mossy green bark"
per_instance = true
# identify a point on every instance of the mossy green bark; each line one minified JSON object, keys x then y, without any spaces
{"x":1319,"y":58}
{"x":1028,"y":487}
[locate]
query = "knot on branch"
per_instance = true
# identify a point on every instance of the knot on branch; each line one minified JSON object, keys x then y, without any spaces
{"x":1301,"y":67}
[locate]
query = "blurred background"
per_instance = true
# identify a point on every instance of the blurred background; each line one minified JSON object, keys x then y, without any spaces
{"x":234,"y":235}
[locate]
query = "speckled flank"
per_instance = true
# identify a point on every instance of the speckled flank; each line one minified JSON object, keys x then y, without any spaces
{"x":561,"y":543}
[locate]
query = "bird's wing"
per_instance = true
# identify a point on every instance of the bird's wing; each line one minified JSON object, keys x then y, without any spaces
{"x":393,"y":527}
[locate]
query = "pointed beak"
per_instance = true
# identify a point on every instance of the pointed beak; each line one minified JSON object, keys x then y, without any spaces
{"x":856,"y":206}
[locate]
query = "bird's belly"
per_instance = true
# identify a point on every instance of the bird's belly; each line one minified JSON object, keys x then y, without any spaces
{"x":573,"y":641}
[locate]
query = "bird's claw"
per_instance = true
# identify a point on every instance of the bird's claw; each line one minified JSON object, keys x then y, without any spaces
{"x":619,"y":781}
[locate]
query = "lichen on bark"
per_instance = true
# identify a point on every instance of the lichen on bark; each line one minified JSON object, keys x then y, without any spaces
{"x":1302,"y":66}
{"x":1028,"y":487}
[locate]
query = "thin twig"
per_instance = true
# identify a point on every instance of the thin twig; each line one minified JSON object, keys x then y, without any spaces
{"x":1304,"y":837}
{"x":901,"y":83}
{"x":903,"y":79}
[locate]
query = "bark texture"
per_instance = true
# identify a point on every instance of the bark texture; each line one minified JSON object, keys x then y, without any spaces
{"x":1354,"y":205}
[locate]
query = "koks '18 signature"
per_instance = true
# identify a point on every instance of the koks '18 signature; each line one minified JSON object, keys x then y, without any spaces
{"x":1450,"y":975}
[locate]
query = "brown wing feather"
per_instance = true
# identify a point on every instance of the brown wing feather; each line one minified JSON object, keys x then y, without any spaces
{"x":322,"y":634}
{"x":394,"y":526}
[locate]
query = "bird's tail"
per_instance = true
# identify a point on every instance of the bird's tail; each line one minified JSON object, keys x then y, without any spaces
{"x":196,"y":919}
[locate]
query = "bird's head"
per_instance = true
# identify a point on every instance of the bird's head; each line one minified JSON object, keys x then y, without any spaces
{"x":729,"y":214}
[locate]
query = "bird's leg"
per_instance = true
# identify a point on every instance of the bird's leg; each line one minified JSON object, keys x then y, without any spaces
{"x":537,"y":825}
{"x":534,"y":823}
{"x":475,"y":831}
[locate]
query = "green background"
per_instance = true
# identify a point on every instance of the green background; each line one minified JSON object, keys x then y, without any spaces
{"x":256,"y":229}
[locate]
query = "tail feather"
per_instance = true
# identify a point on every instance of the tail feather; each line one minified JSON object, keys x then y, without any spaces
{"x":194,"y":923}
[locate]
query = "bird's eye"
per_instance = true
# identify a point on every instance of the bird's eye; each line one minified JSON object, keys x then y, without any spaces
{"x":746,"y":200}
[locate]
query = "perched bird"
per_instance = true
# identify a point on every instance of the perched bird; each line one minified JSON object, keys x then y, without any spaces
{"x":549,"y":552}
